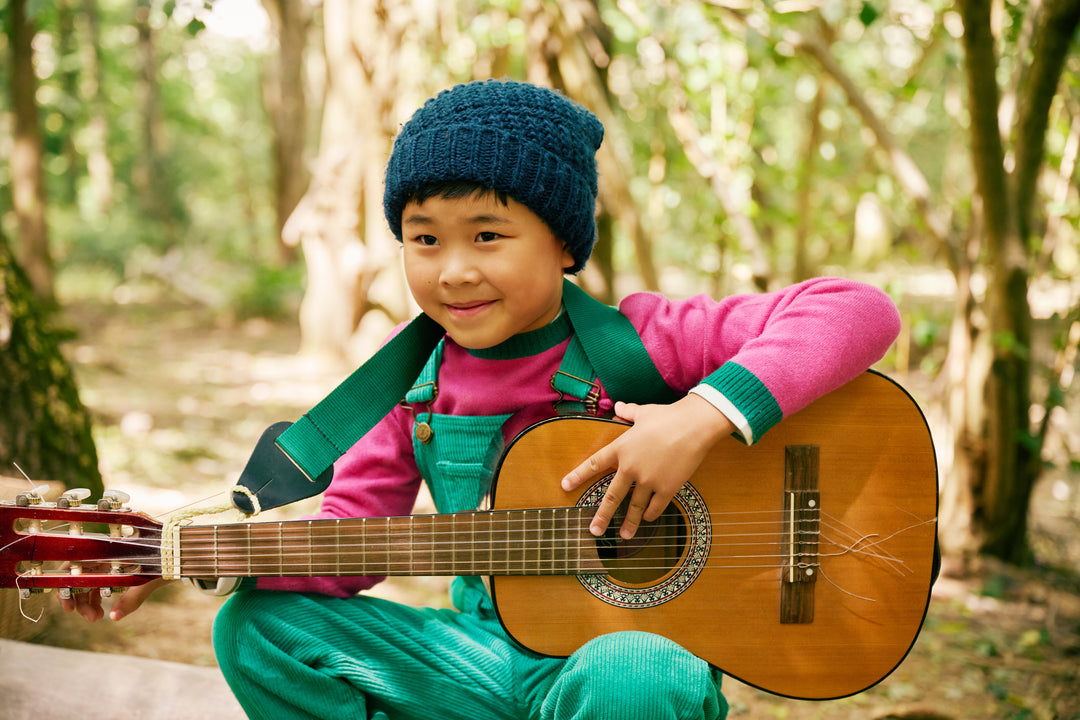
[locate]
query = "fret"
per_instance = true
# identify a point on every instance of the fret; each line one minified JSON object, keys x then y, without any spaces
{"x":249,"y":572}
{"x":386,"y":547}
{"x":310,"y":549}
{"x":577,"y":536}
{"x":552,"y":530}
{"x":431,"y":553}
{"x":363,"y":545}
{"x":453,"y":543}
{"x":281,"y":549}
{"x":337,"y":546}
{"x":566,"y":540}
{"x":539,"y":540}
{"x":217,"y":569}
{"x":474,"y":543}
{"x":515,"y":545}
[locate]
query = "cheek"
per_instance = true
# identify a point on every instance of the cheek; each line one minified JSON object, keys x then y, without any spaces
{"x":419,"y":281}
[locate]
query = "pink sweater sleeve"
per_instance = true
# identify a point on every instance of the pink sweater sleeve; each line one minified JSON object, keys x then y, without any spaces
{"x":768,"y":355}
{"x":378,"y":477}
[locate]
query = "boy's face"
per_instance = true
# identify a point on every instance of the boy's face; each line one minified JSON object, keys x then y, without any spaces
{"x":483,"y":270}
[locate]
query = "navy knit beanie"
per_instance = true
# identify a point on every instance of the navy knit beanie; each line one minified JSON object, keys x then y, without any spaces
{"x":529,"y":142}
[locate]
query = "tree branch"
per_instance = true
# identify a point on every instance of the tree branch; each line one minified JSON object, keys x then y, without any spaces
{"x":905,"y":170}
{"x":1054,"y":26}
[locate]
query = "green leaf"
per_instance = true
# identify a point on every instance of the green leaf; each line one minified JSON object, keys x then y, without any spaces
{"x":868,"y":14}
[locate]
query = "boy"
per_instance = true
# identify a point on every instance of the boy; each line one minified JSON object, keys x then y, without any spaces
{"x":491,"y":188}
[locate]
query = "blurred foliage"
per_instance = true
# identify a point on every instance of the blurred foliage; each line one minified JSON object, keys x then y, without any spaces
{"x":216,"y":142}
{"x":750,"y":90}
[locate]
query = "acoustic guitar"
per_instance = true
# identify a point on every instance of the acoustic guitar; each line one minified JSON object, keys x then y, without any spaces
{"x":801,"y":565}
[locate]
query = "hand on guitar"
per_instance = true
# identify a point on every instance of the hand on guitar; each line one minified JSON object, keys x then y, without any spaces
{"x":655,"y":457}
{"x":88,"y":604}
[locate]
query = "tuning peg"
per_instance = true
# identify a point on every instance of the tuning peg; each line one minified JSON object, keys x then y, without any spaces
{"x":32,"y":497}
{"x":72,"y":498}
{"x":114,"y":500}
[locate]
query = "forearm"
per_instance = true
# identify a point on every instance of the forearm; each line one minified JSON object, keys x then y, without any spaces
{"x":759,"y":358}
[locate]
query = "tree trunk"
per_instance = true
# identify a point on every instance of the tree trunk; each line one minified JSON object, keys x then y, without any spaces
{"x":27,"y":177}
{"x":1008,"y":454}
{"x":43,"y":427}
{"x":287,"y":106}
{"x":350,"y":256}
{"x":98,"y":166}
{"x":156,"y":195}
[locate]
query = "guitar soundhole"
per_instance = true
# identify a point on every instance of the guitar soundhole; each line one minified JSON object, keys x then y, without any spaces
{"x":653,"y":552}
{"x":660,"y":562}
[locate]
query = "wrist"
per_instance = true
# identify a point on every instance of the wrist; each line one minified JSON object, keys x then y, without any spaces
{"x":735,"y":421}
{"x":707,"y":420}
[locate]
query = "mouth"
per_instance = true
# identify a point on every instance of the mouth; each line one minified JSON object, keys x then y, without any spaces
{"x":468,"y":309}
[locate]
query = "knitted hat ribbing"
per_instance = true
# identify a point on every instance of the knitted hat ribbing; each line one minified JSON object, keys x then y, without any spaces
{"x":529,"y":142}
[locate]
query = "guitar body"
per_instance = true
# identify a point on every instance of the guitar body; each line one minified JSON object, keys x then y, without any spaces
{"x":720,"y":591}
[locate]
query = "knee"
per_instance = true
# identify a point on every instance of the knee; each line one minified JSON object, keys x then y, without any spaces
{"x":244,"y":628}
{"x":633,"y":675}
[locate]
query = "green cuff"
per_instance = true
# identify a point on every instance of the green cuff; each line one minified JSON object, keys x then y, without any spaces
{"x":749,"y":396}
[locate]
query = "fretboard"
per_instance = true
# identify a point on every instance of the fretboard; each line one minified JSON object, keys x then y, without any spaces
{"x":550,"y":541}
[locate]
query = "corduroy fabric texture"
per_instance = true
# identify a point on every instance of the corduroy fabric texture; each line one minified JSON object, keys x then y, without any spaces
{"x":289,"y":655}
{"x":529,"y":142}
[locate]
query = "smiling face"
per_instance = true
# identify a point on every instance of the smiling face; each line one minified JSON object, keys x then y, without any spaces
{"x":484,"y":270}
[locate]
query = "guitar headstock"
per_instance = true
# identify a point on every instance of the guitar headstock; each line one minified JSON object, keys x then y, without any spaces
{"x":73,"y":545}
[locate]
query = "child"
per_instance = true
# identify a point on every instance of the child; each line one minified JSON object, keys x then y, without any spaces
{"x":491,"y":188}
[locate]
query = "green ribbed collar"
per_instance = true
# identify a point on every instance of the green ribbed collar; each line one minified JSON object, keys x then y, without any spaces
{"x":529,"y":343}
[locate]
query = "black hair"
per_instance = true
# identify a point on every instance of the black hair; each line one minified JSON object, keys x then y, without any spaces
{"x":453,"y":190}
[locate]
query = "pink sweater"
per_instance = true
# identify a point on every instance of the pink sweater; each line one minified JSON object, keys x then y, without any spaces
{"x":756,"y":357}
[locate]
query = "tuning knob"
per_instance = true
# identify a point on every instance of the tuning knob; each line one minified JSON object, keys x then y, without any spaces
{"x":72,"y":498}
{"x":114,"y":500}
{"x":32,"y":497}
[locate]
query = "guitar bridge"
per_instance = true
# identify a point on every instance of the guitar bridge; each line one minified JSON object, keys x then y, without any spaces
{"x":802,"y":523}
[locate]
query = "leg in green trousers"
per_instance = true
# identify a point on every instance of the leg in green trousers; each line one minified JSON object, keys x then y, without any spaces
{"x":289,"y":655}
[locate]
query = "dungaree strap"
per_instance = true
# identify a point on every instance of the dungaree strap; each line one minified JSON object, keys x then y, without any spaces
{"x":615,"y":350}
{"x":574,"y":381}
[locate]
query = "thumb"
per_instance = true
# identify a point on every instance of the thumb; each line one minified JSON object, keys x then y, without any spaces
{"x":132,"y":599}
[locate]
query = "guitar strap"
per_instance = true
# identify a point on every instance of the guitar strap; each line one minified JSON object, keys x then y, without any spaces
{"x":295,"y":461}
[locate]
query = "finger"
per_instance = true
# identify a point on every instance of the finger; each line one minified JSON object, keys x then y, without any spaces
{"x":89,"y":605}
{"x":68,"y":604}
{"x":600,"y":461}
{"x":639,"y":500}
{"x":132,"y":599}
{"x":609,"y":504}
{"x":656,"y":508}
{"x":626,"y":411}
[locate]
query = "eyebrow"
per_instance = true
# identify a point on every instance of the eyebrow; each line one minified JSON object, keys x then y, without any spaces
{"x":418,"y":219}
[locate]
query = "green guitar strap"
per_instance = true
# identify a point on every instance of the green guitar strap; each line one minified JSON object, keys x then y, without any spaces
{"x":364,"y":398}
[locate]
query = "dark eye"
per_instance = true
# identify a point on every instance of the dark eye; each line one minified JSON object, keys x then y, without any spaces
{"x":426,"y":240}
{"x":486,"y":237}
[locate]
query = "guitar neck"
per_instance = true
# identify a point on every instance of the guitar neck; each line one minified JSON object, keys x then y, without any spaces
{"x":550,"y":541}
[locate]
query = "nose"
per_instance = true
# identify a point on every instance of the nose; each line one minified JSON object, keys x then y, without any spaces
{"x":459,"y":267}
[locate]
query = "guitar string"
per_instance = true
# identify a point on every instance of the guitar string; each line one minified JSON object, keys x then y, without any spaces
{"x":510,"y":533}
{"x":518,"y":534}
{"x":510,"y":565}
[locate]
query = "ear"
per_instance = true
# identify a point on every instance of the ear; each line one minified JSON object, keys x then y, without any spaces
{"x":568,"y":260}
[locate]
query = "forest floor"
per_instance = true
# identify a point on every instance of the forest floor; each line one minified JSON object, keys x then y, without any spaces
{"x":180,"y":394}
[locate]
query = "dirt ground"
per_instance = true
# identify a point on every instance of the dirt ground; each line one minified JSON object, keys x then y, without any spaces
{"x":181,"y":394}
